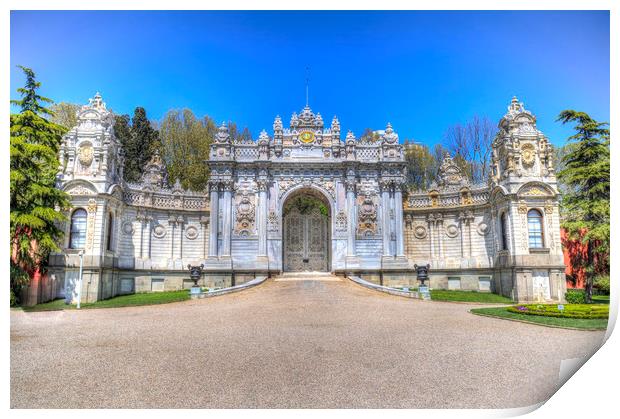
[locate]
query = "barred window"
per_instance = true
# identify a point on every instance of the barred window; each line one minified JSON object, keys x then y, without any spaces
{"x":77,"y":236}
{"x":110,"y":235}
{"x":535,"y":228}
{"x":504,"y":228}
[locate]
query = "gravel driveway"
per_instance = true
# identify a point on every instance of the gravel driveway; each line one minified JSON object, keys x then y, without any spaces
{"x":286,"y":344}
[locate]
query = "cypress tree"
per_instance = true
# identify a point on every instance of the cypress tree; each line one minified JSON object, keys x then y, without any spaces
{"x":585,"y":203}
{"x":138,"y":141}
{"x":35,"y":200}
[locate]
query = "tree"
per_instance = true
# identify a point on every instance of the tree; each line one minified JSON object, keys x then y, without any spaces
{"x":139,"y":141}
{"x":370,"y":136}
{"x":421,"y":166}
{"x":470,"y":146}
{"x":185,"y":144}
{"x":586,"y":202}
{"x":65,"y":114}
{"x":35,"y":200}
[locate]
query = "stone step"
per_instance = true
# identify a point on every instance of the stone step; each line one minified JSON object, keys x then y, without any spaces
{"x":306,"y":276}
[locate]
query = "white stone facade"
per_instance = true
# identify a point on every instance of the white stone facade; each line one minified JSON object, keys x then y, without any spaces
{"x":141,"y":237}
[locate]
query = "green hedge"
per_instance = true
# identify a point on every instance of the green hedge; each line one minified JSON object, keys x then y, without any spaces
{"x":571,"y":311}
{"x":601,"y":283}
{"x":575,"y":296}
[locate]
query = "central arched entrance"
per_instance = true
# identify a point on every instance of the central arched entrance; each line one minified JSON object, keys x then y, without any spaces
{"x":306,"y":239}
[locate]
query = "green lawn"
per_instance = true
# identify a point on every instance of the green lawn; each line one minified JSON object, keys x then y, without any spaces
{"x":469,"y":296}
{"x":502,"y":312}
{"x":600,"y":299}
{"x":140,"y":299}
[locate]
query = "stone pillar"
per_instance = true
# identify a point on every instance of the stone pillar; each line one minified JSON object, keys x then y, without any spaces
{"x":227,"y":218}
{"x":385,"y":216}
{"x":214,"y":222}
{"x":431,"y":233}
{"x":204,"y":222}
{"x":262,"y":218}
{"x":398,"y":214}
{"x":141,"y":218}
{"x":350,"y":185}
{"x":172,"y":222}
{"x":148,"y":225}
{"x":180,"y":222}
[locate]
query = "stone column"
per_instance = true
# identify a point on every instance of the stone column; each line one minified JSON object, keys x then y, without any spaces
{"x":385,"y":215}
{"x":431,"y":231}
{"x":227,"y":218}
{"x":141,"y":219}
{"x":214,"y":222}
{"x":398,"y":214}
{"x":172,"y":222}
{"x":204,"y":222}
{"x":148,"y":225}
{"x":262,"y":217}
{"x":180,"y":222}
{"x":350,"y":185}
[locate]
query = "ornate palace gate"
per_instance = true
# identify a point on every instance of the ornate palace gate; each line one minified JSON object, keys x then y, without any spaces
{"x":306,"y":235}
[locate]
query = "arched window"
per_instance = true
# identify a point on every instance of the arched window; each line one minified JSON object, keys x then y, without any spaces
{"x":77,"y":236}
{"x":535,"y":228}
{"x":110,"y":234}
{"x":504,"y":230}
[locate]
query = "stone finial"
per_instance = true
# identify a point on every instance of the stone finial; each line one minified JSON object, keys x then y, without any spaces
{"x":277,"y":124}
{"x":350,"y":137}
{"x":222,"y":135}
{"x":390,"y":136}
{"x":335,"y":123}
{"x":263,"y":138}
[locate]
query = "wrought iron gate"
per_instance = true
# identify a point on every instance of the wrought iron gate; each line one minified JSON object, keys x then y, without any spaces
{"x":306,"y":241}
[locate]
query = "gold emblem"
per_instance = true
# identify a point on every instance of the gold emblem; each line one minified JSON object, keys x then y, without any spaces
{"x":528,"y":154}
{"x":85,"y":155}
{"x":306,"y":137}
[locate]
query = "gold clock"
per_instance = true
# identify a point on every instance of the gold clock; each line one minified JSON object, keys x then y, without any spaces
{"x":306,"y":136}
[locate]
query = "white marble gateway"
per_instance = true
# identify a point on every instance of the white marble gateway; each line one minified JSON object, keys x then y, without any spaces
{"x":307,"y":197}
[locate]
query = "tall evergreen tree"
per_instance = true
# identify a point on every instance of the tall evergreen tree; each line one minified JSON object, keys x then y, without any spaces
{"x":586,"y":174}
{"x":35,"y":201}
{"x":138,"y":140}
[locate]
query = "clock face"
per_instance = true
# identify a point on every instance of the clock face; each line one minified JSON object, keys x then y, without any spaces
{"x":306,"y":136}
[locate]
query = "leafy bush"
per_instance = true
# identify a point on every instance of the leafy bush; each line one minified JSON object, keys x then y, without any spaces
{"x":575,"y":296}
{"x":601,"y":283}
{"x":572,"y":311}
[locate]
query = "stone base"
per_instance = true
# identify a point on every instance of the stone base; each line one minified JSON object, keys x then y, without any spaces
{"x":394,"y":262}
{"x":352,"y":262}
{"x":218,"y":264}
{"x":196,"y":292}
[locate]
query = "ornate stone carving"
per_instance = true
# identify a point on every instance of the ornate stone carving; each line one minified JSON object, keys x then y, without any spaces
{"x":419,"y":231}
{"x":245,"y":211}
{"x":127,"y":228}
{"x":191,"y":233}
{"x":367,"y":217}
{"x":85,"y":155}
{"x":528,"y":154}
{"x":273,"y":222}
{"x":452,"y":230}
{"x":483,"y":229}
{"x":341,"y":222}
{"x":159,"y":231}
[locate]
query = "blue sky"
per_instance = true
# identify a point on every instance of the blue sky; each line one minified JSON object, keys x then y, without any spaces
{"x":421,"y":71}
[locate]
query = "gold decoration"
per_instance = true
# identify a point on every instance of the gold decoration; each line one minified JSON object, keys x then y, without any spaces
{"x":306,"y":137}
{"x":528,"y":154}
{"x":85,"y":155}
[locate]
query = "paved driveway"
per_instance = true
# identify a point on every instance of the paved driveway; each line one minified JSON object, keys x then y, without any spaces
{"x":286,"y":344}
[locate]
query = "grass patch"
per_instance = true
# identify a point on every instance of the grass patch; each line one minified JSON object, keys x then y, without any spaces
{"x":600,"y":299}
{"x":585,"y":324}
{"x":469,"y":296}
{"x":130,"y":300}
{"x":573,"y":311}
